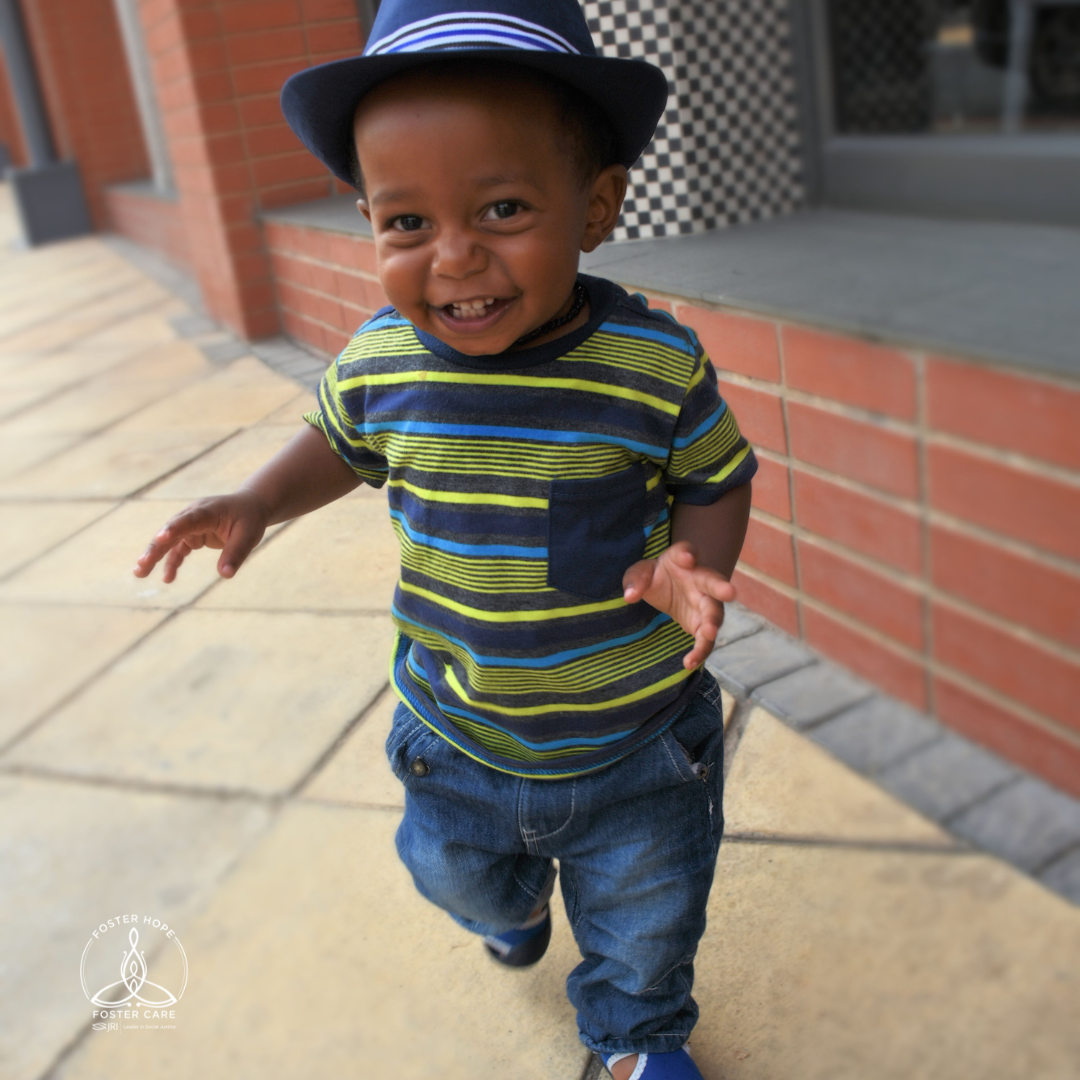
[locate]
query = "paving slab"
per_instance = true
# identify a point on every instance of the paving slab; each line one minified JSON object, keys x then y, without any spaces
{"x":50,"y":651}
{"x":728,"y":703}
{"x":875,"y":734}
{"x":350,"y":557}
{"x":292,"y":412}
{"x":781,"y":784}
{"x":223,"y":468}
{"x":1029,"y":823}
{"x":811,"y":694}
{"x":178,"y":360}
{"x":242,"y":393}
{"x":113,"y":465}
{"x":358,"y":774}
{"x":95,"y":566}
{"x":45,"y":325}
{"x":214,"y":700}
{"x":73,"y":855}
{"x":738,"y":623}
{"x":827,"y":964}
{"x":143,"y":329}
{"x":93,"y":405}
{"x":753,"y":661}
{"x":48,"y":374}
{"x":1063,"y":876}
{"x":946,"y":776}
{"x":318,"y":958}
{"x":27,"y":529}
{"x":21,"y":452}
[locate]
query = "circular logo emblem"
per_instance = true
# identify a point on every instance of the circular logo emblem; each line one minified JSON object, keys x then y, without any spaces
{"x":114,"y":970}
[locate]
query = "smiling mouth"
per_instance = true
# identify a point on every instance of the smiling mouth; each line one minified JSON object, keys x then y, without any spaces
{"x":467,"y":313}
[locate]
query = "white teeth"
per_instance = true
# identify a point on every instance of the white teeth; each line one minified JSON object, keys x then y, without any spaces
{"x":471,"y":307}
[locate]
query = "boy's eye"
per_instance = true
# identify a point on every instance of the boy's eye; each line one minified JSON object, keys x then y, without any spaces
{"x":502,"y":210}
{"x":408,"y":223}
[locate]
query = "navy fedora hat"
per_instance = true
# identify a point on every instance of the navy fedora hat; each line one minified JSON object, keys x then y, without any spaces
{"x":548,"y":35}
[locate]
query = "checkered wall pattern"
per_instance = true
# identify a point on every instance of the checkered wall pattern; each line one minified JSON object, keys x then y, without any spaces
{"x":726,"y":151}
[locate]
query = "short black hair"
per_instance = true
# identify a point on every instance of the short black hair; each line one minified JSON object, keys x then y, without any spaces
{"x":590,"y":136}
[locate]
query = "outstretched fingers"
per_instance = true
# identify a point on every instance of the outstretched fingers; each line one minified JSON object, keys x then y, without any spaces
{"x":705,"y":634}
{"x":182,"y":534}
{"x":714,"y":591}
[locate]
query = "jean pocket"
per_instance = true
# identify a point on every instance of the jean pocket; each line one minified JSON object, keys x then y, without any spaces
{"x":596,"y":531}
{"x":408,"y":737}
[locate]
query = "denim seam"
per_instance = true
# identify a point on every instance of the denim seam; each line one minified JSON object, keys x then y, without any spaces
{"x":671,"y":756}
{"x":531,"y":836}
{"x":532,"y":894}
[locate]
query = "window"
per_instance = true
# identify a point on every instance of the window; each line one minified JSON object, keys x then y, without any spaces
{"x":969,"y":108}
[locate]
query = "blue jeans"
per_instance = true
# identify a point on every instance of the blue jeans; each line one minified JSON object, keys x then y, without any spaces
{"x":636,"y":843}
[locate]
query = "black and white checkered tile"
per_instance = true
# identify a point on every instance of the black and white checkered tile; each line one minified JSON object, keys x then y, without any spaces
{"x":726,"y":151}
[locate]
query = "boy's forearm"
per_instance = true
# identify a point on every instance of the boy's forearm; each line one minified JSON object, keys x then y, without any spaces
{"x":304,"y":475}
{"x":717,"y":531}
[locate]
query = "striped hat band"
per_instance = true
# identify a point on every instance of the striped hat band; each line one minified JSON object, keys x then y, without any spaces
{"x":470,"y":30}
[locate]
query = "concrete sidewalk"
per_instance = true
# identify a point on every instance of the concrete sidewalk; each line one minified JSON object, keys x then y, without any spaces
{"x":209,"y":754}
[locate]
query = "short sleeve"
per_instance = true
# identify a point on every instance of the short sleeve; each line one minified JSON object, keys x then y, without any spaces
{"x":709,"y":456}
{"x":333,"y":419}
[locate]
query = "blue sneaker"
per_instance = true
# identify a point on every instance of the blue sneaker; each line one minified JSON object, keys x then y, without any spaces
{"x":522,"y":947}
{"x":678,"y":1065}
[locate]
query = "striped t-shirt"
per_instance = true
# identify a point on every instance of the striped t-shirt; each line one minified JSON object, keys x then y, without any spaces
{"x":521,"y":487}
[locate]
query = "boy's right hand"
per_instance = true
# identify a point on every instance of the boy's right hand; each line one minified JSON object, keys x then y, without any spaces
{"x":234,"y":523}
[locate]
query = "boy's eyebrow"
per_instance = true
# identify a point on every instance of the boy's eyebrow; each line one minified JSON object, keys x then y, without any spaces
{"x":405,"y":194}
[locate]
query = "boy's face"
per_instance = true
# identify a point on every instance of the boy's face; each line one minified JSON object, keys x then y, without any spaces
{"x":478,"y":210}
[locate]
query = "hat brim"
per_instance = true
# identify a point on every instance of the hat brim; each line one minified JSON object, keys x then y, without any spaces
{"x":319,"y":102}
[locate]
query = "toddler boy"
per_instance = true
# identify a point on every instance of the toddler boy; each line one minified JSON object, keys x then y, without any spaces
{"x":569,"y":491}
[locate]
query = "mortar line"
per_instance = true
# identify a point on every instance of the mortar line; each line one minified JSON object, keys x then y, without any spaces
{"x":151,"y":484}
{"x":793,"y":523}
{"x":333,"y":748}
{"x":86,"y":304}
{"x":925,"y":599}
{"x":19,"y":567}
{"x":146,"y":787}
{"x":75,"y":384}
{"x":115,"y":504}
{"x":1057,"y":857}
{"x":52,"y":710}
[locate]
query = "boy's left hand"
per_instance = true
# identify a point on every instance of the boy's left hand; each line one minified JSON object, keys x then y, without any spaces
{"x":693,"y":595}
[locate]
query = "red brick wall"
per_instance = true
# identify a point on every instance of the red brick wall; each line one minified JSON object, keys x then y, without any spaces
{"x":917,"y":518}
{"x":326,"y":283}
{"x":218,"y":67}
{"x":151,"y":220}
{"x":91,"y":105}
{"x":10,"y":131}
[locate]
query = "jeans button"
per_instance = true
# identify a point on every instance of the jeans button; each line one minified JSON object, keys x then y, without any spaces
{"x":701,"y":770}
{"x":419,"y":767}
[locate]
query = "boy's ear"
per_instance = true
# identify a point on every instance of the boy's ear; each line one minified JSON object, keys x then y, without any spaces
{"x":362,"y":206}
{"x":605,"y":204}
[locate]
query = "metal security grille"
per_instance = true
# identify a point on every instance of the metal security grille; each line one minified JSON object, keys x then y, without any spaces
{"x":881,"y":70}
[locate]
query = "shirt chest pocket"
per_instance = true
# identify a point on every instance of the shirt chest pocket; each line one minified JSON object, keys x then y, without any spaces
{"x":596,"y":530}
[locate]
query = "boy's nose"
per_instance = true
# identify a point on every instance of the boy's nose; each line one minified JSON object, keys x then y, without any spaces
{"x":457,"y":255}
